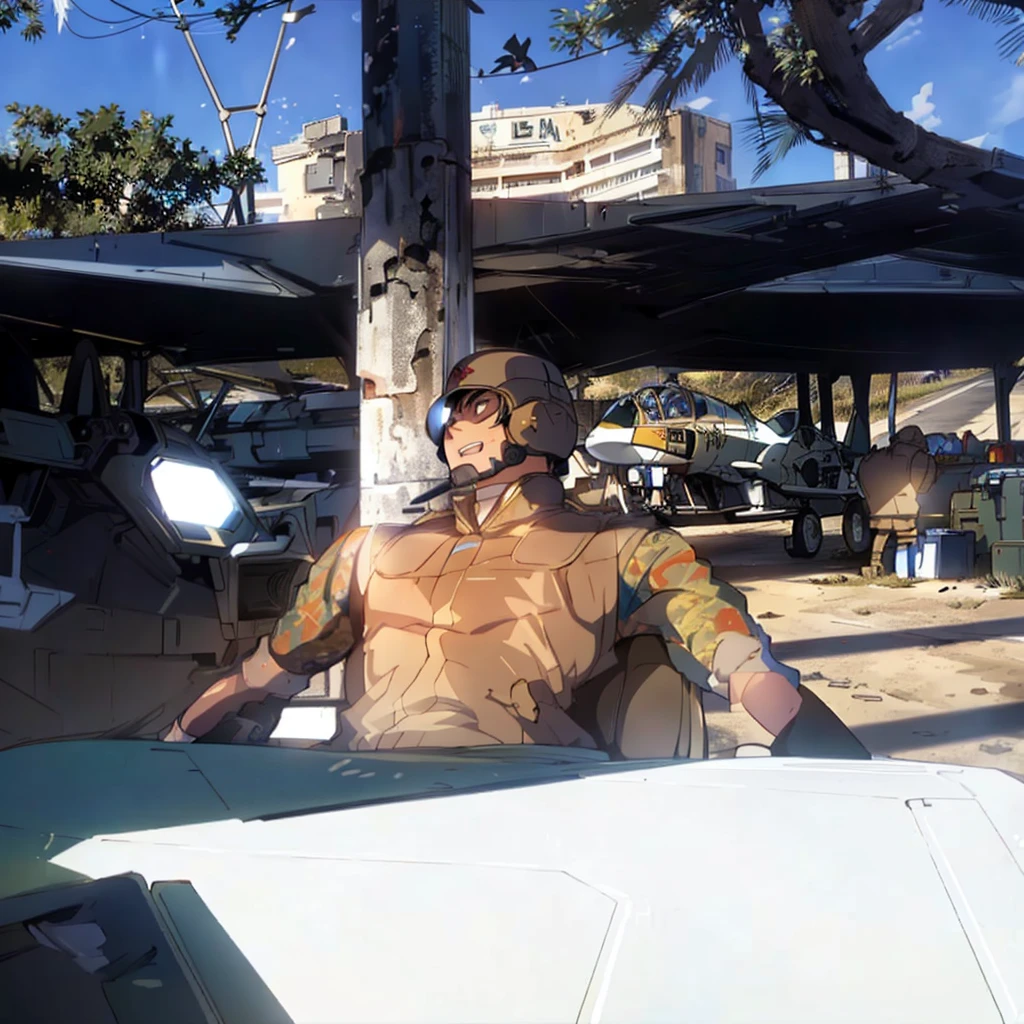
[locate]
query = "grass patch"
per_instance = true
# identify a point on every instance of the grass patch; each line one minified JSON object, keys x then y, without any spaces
{"x":1012,"y":586}
{"x":838,"y":580}
{"x":893,"y":582}
{"x":966,"y":603}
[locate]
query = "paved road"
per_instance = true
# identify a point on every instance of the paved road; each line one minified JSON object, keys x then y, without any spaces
{"x":970,"y":404}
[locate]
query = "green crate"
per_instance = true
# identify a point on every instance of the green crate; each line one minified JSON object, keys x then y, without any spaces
{"x":1001,"y":509}
{"x":1008,"y":558}
{"x":963,"y":501}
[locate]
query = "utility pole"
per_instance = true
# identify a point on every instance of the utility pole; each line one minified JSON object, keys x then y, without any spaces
{"x":416,"y":270}
{"x":288,"y":17}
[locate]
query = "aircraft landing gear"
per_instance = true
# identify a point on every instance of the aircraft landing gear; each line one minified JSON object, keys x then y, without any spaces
{"x":856,"y":527}
{"x":807,"y":535}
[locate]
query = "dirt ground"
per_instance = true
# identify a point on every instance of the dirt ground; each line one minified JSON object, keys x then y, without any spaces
{"x":933,"y":672}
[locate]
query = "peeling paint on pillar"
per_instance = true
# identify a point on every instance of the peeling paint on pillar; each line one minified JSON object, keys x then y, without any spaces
{"x":416,"y":286}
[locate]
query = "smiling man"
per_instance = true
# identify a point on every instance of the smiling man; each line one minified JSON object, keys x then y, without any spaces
{"x":513,"y":618}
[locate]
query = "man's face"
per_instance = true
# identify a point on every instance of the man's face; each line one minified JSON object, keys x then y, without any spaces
{"x":473,"y":435}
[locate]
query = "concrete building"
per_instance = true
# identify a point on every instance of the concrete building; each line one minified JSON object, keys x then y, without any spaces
{"x":318,"y":175}
{"x":584,"y":152}
{"x":848,"y":165}
{"x":560,"y":152}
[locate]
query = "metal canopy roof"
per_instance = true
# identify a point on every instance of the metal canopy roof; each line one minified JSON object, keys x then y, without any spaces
{"x":722,"y":280}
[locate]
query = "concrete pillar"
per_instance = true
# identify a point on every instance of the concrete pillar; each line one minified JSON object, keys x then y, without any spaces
{"x":858,"y":433}
{"x":416,"y":282}
{"x":828,"y":417}
{"x":1004,"y":377}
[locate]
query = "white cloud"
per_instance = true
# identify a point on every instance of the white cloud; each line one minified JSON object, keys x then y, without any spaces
{"x":921,"y":108}
{"x":700,"y":103}
{"x":524,"y":79}
{"x":910,"y":29}
{"x":61,"y":8}
{"x":284,"y":106}
{"x":978,"y":140}
{"x":357,"y":16}
{"x":1011,"y":103}
{"x":290,"y":43}
{"x":202,"y":106}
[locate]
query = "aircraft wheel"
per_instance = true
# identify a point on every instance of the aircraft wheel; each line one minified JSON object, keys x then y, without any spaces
{"x":807,"y":535}
{"x":856,"y":527}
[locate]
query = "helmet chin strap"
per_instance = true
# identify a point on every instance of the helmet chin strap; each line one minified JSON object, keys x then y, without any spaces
{"x":465,"y":478}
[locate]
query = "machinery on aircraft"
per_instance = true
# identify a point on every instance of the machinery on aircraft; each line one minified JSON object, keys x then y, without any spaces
{"x":694,"y":458}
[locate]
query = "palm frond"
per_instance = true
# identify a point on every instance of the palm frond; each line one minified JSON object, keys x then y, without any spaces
{"x":772,"y":134}
{"x":675,"y":76}
{"x":1011,"y":45}
{"x":999,"y":12}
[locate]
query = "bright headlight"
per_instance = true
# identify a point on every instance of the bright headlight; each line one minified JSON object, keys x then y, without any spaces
{"x":192,"y":494}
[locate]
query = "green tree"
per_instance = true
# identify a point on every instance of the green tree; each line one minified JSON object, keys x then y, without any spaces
{"x":97,"y":173}
{"x":806,"y":58}
{"x":28,"y":15}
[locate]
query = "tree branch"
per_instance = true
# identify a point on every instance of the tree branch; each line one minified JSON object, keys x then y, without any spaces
{"x":847,"y":108}
{"x":882,"y":22}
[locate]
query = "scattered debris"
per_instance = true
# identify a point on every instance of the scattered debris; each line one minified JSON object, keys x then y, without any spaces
{"x":770,"y":615}
{"x":900,"y":695}
{"x":922,"y":732}
{"x":966,"y":603}
{"x":863,"y":611}
{"x":842,"y":684}
{"x":866,"y":696}
{"x":814,"y":675}
{"x":942,"y":590}
{"x":996,"y":747}
{"x":980,"y":691}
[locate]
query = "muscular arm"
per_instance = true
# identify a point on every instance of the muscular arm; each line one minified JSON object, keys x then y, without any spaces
{"x":316,"y":633}
{"x":711,"y":638}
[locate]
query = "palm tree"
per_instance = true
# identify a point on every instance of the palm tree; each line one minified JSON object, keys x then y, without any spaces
{"x":807,"y":59}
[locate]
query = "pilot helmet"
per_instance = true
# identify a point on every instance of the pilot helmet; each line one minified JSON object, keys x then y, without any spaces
{"x":540,"y":416}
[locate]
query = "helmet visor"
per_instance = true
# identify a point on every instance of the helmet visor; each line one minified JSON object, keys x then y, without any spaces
{"x":437,"y":419}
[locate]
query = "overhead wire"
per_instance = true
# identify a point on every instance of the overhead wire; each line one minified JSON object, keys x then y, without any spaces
{"x":145,"y":19}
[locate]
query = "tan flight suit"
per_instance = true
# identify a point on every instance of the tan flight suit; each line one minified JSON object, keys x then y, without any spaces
{"x":546,"y":625}
{"x":891,"y":479}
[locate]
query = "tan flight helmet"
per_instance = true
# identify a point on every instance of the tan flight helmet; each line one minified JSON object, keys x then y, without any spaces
{"x":541,"y":415}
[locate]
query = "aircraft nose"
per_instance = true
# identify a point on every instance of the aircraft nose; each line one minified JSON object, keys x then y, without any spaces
{"x":612,"y":444}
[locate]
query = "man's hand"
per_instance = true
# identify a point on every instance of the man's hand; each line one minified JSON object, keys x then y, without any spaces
{"x":176,"y":734}
{"x":256,"y":680}
{"x":768,"y":697}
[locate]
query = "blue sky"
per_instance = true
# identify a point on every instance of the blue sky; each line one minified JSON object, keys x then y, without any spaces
{"x":943,"y":65}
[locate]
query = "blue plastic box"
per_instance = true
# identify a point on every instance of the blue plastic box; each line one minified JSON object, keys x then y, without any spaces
{"x":945,"y":555}
{"x":908,"y":558}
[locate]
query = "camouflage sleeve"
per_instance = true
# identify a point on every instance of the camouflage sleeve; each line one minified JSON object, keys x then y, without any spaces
{"x":317,"y":632}
{"x":664,"y":589}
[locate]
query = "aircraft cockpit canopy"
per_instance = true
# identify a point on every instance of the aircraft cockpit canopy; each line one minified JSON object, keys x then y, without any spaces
{"x":670,"y":402}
